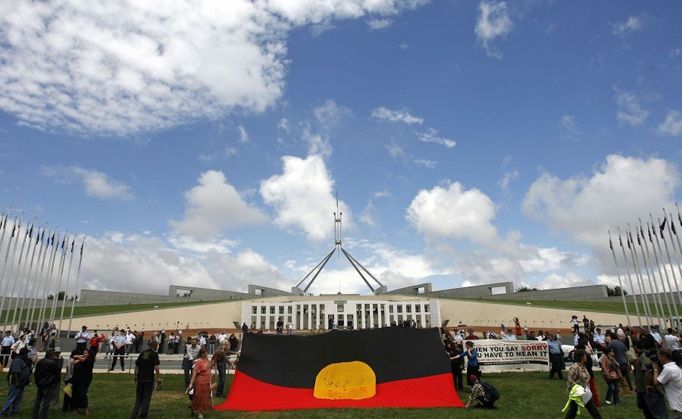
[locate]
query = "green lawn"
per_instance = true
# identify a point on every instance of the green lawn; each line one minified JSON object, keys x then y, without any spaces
{"x":615,"y":307}
{"x":522,"y":395}
{"x":87,"y":311}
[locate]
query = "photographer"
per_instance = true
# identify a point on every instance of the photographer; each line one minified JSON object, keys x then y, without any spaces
{"x":668,"y":374}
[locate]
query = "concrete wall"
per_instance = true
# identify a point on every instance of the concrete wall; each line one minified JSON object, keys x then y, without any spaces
{"x":97,"y":298}
{"x":413,"y":290}
{"x":203,"y":294}
{"x":262,"y":291}
{"x":476,"y":291}
{"x":588,"y":292}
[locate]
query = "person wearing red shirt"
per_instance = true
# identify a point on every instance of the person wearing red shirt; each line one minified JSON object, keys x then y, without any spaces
{"x":95,"y":341}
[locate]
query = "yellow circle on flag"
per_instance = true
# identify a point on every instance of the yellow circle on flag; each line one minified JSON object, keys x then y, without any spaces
{"x":353,"y":380}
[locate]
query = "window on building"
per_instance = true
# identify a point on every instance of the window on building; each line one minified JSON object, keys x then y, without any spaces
{"x":254,"y":310}
{"x":418,"y":308}
{"x":426,"y":308}
{"x":272,"y":309}
{"x":263,"y":310}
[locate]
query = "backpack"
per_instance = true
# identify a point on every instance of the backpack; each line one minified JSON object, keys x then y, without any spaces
{"x":491,"y":393}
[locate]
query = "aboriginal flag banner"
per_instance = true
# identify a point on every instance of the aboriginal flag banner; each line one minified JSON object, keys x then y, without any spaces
{"x":388,"y":367}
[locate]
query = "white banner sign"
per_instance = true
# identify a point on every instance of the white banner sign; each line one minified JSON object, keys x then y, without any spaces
{"x":506,"y":352}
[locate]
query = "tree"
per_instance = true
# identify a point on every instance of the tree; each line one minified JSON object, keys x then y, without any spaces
{"x":615,"y":291}
{"x":526,"y":289}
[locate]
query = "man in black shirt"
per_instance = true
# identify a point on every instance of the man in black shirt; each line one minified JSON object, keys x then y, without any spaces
{"x":48,"y":372}
{"x":146,"y":366}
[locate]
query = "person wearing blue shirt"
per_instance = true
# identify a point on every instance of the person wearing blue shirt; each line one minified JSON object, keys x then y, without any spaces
{"x":472,"y":361}
{"x":556,"y":356}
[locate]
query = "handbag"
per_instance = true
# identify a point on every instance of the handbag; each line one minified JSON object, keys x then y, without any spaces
{"x":630,"y":354}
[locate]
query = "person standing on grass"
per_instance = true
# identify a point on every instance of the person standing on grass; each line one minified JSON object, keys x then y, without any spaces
{"x":191,"y":353}
{"x":47,"y":375}
{"x":19,"y":377}
{"x":219,"y":362}
{"x":579,"y":378}
{"x":619,"y":349}
{"x":472,"y":361}
{"x":81,"y":379}
{"x":119,"y":350}
{"x":669,"y":375}
{"x":612,"y":375}
{"x":146,"y":374}
{"x":556,"y":356}
{"x":584,"y":344}
{"x":201,"y":384}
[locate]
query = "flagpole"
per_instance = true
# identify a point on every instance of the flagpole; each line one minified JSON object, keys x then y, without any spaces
{"x":78,"y":280}
{"x":640,"y":280}
{"x":62,"y":262}
{"x":620,"y":283}
{"x":16,"y":232}
{"x":11,"y":283}
{"x":23,"y":286}
{"x":661,"y":227}
{"x":31,"y":281}
{"x":35,"y":280}
{"x":679,"y":246}
{"x":41,"y":279}
{"x":66,"y":287}
{"x":669,"y":315}
{"x":16,"y":281}
{"x":50,"y":272}
{"x":650,"y":277}
{"x":627,"y":271}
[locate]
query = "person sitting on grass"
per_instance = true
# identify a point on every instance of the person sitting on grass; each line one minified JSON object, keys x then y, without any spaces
{"x":483,"y":395}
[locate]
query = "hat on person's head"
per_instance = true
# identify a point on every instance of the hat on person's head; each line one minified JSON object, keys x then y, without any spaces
{"x":473,"y":378}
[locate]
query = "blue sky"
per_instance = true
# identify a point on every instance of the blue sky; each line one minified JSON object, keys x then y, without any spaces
{"x":468,"y":141}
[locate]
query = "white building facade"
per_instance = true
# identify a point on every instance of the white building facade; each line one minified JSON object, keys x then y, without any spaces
{"x":320,"y":313}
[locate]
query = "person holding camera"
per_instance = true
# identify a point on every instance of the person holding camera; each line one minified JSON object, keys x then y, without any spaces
{"x":668,"y":374}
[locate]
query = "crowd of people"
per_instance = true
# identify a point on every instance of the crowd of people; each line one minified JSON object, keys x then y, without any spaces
{"x":631,"y":360}
{"x":202,"y":354}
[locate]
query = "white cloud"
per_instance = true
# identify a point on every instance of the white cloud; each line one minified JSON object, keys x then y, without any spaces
{"x":432,"y":136}
{"x":144,"y":263}
{"x":672,"y":125}
{"x":619,"y":191}
{"x":401,"y":115}
{"x":96,"y":184}
{"x":493,"y":22}
{"x":243,"y":135}
{"x":395,"y":151}
{"x":377,"y":24}
{"x":675,"y":52}
{"x":303,"y":197}
{"x":330,"y":114}
{"x":630,"y":111}
{"x":632,"y":24}
{"x":429,"y":164}
{"x":557,"y":280}
{"x":506,"y":180}
{"x":450,"y":211}
{"x":214,"y":205}
{"x":569,"y":127}
{"x":129,"y":66}
{"x":317,"y":143}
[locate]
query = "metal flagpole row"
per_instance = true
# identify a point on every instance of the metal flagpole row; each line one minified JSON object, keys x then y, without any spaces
{"x":672,"y":306}
{"x":627,"y":271}
{"x":78,"y":280}
{"x":620,"y":283}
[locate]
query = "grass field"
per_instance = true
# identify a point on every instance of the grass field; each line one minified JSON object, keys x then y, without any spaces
{"x":598,"y":306}
{"x":522,"y":395}
{"x":87,"y":311}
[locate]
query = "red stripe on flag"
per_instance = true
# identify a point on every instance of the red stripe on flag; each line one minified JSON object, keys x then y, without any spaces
{"x":247,"y":393}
